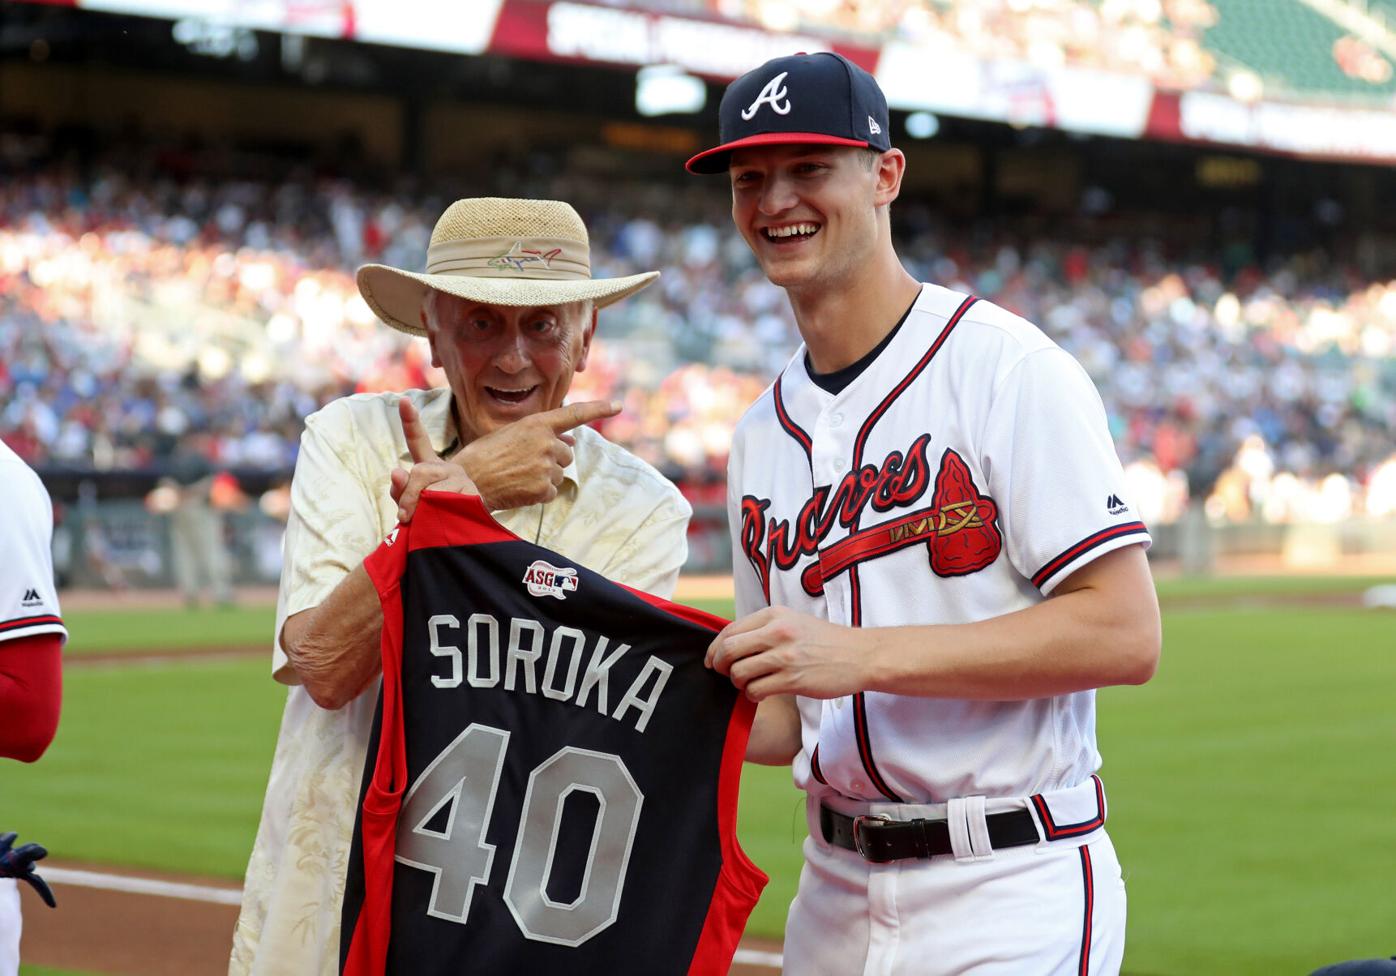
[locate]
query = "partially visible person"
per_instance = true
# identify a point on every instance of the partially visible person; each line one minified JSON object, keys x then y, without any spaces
{"x":935,"y":566}
{"x":1359,"y":967}
{"x":201,"y":561}
{"x":509,"y":308}
{"x":31,"y":638}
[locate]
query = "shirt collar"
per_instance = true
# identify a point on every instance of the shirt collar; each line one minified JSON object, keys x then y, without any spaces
{"x":434,"y":409}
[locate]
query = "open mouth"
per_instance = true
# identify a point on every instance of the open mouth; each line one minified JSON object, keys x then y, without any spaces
{"x":510,"y":396}
{"x":790,"y":232}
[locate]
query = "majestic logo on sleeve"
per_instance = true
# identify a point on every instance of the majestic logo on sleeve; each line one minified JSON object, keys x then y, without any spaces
{"x":31,"y":598}
{"x":545,"y":579}
{"x":771,"y":95}
{"x":960,"y":528}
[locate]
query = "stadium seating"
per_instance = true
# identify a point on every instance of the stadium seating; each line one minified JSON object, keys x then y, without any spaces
{"x":1290,"y":46}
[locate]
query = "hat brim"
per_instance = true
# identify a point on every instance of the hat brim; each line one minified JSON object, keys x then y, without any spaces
{"x":715,"y":160}
{"x":396,"y":296}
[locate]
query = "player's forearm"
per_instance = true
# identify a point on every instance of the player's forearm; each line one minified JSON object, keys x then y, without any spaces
{"x":775,"y":732}
{"x":335,"y":648}
{"x":1103,"y":632}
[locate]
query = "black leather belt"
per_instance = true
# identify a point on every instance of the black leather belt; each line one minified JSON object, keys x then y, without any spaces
{"x":880,"y":840}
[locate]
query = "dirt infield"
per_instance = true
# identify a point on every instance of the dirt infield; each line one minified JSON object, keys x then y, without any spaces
{"x":124,"y":933}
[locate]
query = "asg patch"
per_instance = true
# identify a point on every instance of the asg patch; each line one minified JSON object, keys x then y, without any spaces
{"x":544,"y":579}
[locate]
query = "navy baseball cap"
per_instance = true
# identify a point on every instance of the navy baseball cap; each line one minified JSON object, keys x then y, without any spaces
{"x":806,"y":98}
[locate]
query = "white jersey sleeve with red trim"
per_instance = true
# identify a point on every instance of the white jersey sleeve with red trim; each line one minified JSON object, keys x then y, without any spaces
{"x":28,"y":598}
{"x":1053,"y":468}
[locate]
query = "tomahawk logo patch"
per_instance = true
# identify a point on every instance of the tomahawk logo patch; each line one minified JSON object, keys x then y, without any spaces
{"x":544,"y":579}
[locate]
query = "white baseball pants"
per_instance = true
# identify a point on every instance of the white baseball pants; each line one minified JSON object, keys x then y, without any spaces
{"x":1056,"y":908}
{"x":9,"y":927}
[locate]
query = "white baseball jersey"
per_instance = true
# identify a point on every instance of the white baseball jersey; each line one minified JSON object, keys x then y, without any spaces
{"x":28,"y":606}
{"x":28,"y":600}
{"x":960,"y":476}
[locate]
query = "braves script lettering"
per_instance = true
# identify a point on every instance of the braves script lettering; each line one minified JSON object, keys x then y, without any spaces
{"x":898,"y":481}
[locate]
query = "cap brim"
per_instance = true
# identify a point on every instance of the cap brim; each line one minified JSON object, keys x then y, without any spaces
{"x":396,"y":296}
{"x":711,"y":161}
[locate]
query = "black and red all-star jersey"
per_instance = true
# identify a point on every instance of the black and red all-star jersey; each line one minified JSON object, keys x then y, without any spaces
{"x":552,"y":782}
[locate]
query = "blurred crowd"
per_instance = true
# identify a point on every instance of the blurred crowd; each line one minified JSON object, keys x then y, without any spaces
{"x":1162,"y":39}
{"x":135,"y":310}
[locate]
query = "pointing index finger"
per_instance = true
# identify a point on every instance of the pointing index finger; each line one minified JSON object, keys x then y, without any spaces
{"x":575,"y":414}
{"x":418,"y":442}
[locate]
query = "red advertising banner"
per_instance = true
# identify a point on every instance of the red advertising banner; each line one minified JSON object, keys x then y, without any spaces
{"x":582,"y":32}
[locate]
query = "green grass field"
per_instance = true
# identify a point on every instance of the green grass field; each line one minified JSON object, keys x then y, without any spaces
{"x":1250,"y":782}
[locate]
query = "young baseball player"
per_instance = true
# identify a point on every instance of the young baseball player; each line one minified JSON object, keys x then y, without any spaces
{"x":935,"y":564}
{"x":31,"y":634}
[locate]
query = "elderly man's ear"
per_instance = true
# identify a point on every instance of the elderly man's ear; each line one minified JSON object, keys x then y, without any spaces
{"x":586,"y":342}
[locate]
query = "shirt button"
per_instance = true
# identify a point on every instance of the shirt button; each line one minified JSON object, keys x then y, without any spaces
{"x":835,"y":419}
{"x":859,"y":785}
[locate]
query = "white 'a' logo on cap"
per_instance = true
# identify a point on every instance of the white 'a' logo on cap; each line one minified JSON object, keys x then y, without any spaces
{"x":770,"y":95}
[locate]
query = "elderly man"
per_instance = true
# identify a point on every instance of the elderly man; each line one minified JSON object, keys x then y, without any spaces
{"x":508,"y":305}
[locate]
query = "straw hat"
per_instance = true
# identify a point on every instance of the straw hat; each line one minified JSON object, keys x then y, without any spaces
{"x":498,"y":251}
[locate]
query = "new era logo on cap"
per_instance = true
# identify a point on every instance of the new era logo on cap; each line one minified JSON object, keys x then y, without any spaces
{"x":818,"y":98}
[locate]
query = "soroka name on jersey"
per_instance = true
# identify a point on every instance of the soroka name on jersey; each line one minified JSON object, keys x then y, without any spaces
{"x":898,"y":481}
{"x":507,"y":653}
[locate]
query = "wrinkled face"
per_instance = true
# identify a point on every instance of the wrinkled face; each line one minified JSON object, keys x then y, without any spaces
{"x":505,"y":362}
{"x":807,"y":212}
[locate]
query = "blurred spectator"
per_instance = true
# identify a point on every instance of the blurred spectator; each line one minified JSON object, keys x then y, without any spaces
{"x":195,"y":495}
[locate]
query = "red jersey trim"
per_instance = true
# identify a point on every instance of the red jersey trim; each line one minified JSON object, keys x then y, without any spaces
{"x":1056,"y":831}
{"x":1078,"y":550}
{"x":368,"y":948}
{"x":1088,"y":888}
{"x":789,"y":425}
{"x":907,"y":380}
{"x":740,"y":882}
{"x":21,"y":623}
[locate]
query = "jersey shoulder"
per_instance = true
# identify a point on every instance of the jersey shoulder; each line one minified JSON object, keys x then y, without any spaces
{"x":21,"y":490}
{"x":985,"y":326}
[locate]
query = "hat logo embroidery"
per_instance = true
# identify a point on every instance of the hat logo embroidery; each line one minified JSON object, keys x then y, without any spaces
{"x":771,"y":95}
{"x":873,"y":127}
{"x":518,"y":256}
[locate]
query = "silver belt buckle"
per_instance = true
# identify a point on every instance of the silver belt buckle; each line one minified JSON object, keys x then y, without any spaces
{"x":859,"y":844}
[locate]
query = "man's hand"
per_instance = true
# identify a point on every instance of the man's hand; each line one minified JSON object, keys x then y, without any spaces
{"x":522,"y":463}
{"x":18,"y":862}
{"x":519,"y":464}
{"x":779,"y":651}
{"x":428,"y":469}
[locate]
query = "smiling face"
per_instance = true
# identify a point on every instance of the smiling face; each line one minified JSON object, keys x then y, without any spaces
{"x":808,"y":212}
{"x":504,"y":362}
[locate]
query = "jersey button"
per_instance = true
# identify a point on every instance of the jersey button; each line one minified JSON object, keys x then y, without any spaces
{"x":859,"y":785}
{"x":835,"y":420}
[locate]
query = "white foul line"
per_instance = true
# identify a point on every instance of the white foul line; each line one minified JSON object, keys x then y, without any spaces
{"x":142,"y":886}
{"x":233,"y":896}
{"x":755,"y":957}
